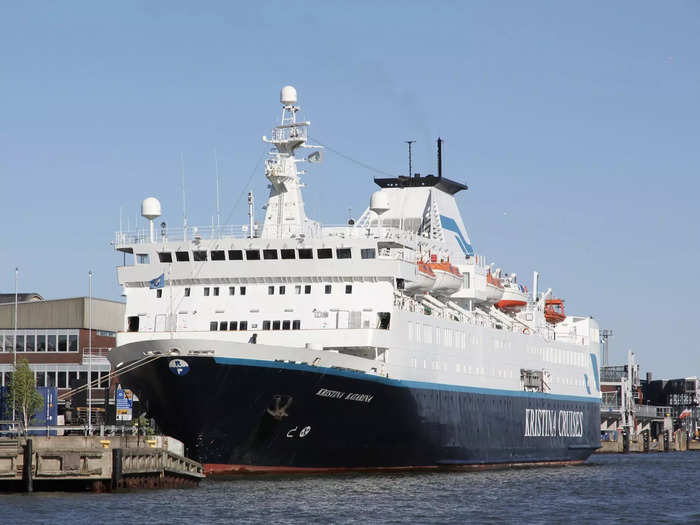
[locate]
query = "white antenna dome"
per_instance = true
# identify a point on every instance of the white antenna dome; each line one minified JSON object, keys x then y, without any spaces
{"x":150,"y":208}
{"x":379,"y":202}
{"x":288,"y":96}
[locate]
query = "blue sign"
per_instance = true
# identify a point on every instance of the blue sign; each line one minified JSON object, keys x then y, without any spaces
{"x":179,"y":367}
{"x":124,"y":401}
{"x":158,"y":282}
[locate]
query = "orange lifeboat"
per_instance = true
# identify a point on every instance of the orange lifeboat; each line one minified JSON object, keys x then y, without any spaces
{"x":424,"y":279}
{"x":554,"y":311}
{"x":449,"y":278}
{"x":514,"y":297}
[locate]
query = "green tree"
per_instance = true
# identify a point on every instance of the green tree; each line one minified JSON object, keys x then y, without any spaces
{"x":23,"y":393}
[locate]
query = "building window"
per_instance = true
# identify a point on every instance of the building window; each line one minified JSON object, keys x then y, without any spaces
{"x":232,"y":290}
{"x":62,"y":343}
{"x":327,"y":289}
{"x":287,"y":254}
{"x":233,"y":325}
{"x":142,"y":258}
{"x":242,"y":290}
{"x":243,"y":325}
{"x":218,"y":255}
{"x":283,"y":289}
{"x":368,"y":253}
{"x":62,"y":380}
{"x":30,"y":342}
{"x":296,"y":324}
{"x":213,"y":326}
{"x":235,"y":255}
{"x":182,"y":256}
{"x":206,"y":291}
{"x":72,"y":343}
{"x":307,"y":289}
{"x":285,"y":325}
{"x":199,"y":255}
{"x":297,"y":289}
{"x":343,"y":253}
{"x":270,"y":290}
{"x":187,"y":292}
{"x":223,"y":326}
{"x":159,"y":293}
{"x":165,"y":257}
{"x":275,"y":325}
{"x":41,"y":343}
{"x":306,"y":253}
{"x":324,"y":253}
{"x":252,"y":255}
{"x":216,"y":290}
{"x":266,"y":325}
{"x":40,"y":379}
{"x":348,"y":288}
{"x":270,"y":254}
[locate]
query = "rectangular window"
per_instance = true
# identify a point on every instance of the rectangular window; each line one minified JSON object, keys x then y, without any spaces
{"x":141,"y":258}
{"x":199,"y":255}
{"x":296,"y":324}
{"x":283,"y":289}
{"x":275,"y":325}
{"x":20,"y":343}
{"x":213,"y":326}
{"x":216,"y":291}
{"x":465,"y":276}
{"x":40,"y":379}
{"x":41,"y":343}
{"x":235,"y":255}
{"x":62,"y":343}
{"x":270,"y":290}
{"x":159,"y":293}
{"x":270,"y":254}
{"x":327,"y":289}
{"x":51,"y":343}
{"x":348,"y":288}
{"x":182,"y":256}
{"x":232,"y":290}
{"x":30,"y":343}
{"x":243,"y":325}
{"x":287,"y":254}
{"x":266,"y":325}
{"x":368,"y":253}
{"x":307,"y":289}
{"x":72,"y":343}
{"x":242,"y":290}
{"x":343,"y":253}
{"x":286,"y":325}
{"x":306,"y":253}
{"x":218,"y":255}
{"x":297,"y":289}
{"x":187,"y":292}
{"x":206,"y":291}
{"x":233,"y":325}
{"x":252,"y":255}
{"x":62,"y":380}
{"x":165,"y":257}
{"x":223,"y":326}
{"x":324,"y":253}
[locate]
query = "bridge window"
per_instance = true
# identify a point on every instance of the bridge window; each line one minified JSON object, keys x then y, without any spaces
{"x":199,"y":255}
{"x":216,"y":290}
{"x":182,"y":256}
{"x":165,"y":257}
{"x":223,"y":325}
{"x":159,"y":293}
{"x":285,"y":325}
{"x":324,"y":253}
{"x":235,"y":255}
{"x":343,"y":253}
{"x":270,"y":254}
{"x":270,"y":290}
{"x":243,"y":325}
{"x":252,"y":255}
{"x":327,"y":289}
{"x":307,"y":289}
{"x":275,"y":325}
{"x":266,"y":325}
{"x":283,"y":289}
{"x":287,"y":254}
{"x":297,"y":289}
{"x":142,"y":258}
{"x":348,"y":288}
{"x":218,"y":255}
{"x":296,"y":324}
{"x":232,"y":290}
{"x":242,"y":290}
{"x":306,"y":253}
{"x":233,"y":325}
{"x":206,"y":291}
{"x":187,"y":292}
{"x":368,"y":253}
{"x":213,"y":325}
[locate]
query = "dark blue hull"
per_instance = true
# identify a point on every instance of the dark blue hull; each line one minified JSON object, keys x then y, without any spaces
{"x":281,"y":416}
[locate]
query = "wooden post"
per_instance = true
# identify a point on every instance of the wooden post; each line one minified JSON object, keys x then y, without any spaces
{"x":27,"y":481}
{"x":117,"y":454}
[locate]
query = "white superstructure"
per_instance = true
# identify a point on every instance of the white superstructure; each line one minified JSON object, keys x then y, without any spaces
{"x":352,"y":296}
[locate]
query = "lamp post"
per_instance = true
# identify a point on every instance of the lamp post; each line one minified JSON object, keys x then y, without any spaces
{"x":90,"y":356}
{"x":14,"y":345}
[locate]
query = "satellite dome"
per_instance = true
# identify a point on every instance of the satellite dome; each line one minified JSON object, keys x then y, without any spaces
{"x":150,"y":208}
{"x":379,"y":202}
{"x":288,"y":96}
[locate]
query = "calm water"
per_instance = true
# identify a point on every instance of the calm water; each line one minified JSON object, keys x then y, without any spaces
{"x":651,"y":488}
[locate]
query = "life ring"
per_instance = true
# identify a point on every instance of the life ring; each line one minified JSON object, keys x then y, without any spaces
{"x":526,"y":330}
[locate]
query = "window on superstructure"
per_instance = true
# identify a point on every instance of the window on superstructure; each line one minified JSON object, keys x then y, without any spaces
{"x":327,"y":289}
{"x":283,"y":289}
{"x":297,"y":289}
{"x":252,"y":255}
{"x":324,"y":253}
{"x":270,"y":290}
{"x":232,"y":290}
{"x":266,"y":325}
{"x":242,"y":290}
{"x":343,"y":253}
{"x":243,"y":325}
{"x":307,"y":289}
{"x":216,"y":290}
{"x":306,"y":253}
{"x":296,"y":324}
{"x":159,"y":293}
{"x":287,"y":254}
{"x":206,"y":291}
{"x":275,"y":325}
{"x":213,"y":325}
{"x":269,"y":254}
{"x":223,"y":326}
{"x":233,"y":325}
{"x":199,"y":255}
{"x":165,"y":257}
{"x":141,"y":258}
{"x":182,"y":256}
{"x":348,"y":288}
{"x":235,"y":255}
{"x":187,"y":292}
{"x":368,"y":253}
{"x":218,"y":255}
{"x":286,"y":325}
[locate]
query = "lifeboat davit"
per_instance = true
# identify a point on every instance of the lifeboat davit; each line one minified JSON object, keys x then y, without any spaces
{"x":514,"y":297}
{"x":449,"y":278}
{"x":424,"y":279}
{"x":554,"y":311}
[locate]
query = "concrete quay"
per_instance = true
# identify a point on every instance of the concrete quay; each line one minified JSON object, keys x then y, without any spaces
{"x":92,"y":463}
{"x":667,"y":442}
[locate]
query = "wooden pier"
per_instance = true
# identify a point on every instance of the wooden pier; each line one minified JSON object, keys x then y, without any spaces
{"x":93,"y":463}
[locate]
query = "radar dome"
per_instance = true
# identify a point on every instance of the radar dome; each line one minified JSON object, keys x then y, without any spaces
{"x":150,"y":208}
{"x":288,"y":96}
{"x":379,"y":202}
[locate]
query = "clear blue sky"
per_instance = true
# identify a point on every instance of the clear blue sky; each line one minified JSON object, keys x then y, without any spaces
{"x":576,"y":127}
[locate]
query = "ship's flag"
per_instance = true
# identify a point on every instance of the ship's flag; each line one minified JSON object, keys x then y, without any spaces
{"x":685,"y":413}
{"x":158,"y":282}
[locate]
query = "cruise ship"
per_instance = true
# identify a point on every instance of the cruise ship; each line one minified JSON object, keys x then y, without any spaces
{"x":384,"y":343}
